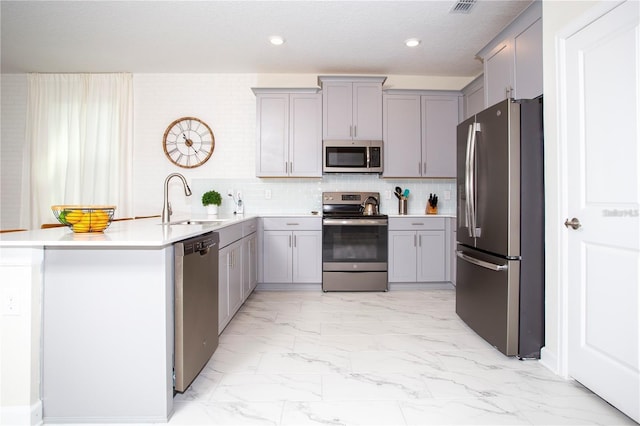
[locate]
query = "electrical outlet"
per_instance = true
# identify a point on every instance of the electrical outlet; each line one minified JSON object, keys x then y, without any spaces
{"x":10,"y":303}
{"x":447,"y":195}
{"x":267,"y":194}
{"x":387,"y":195}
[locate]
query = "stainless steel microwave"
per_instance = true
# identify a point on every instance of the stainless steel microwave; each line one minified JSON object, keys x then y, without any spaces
{"x":346,"y":156}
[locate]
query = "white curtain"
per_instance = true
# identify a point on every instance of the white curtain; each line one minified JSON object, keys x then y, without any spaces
{"x":79,"y":144}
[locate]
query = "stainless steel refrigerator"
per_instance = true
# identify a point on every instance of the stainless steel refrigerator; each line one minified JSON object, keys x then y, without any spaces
{"x":500,"y":221}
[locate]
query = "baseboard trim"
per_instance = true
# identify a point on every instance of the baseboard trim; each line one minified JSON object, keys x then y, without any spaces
{"x":22,"y":414}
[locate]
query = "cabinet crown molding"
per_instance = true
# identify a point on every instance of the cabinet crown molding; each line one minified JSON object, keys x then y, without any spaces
{"x":351,"y":79}
{"x":267,"y":90}
{"x":421,"y":92}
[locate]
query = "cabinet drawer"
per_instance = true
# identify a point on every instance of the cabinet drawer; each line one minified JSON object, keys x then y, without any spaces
{"x":416,"y":223}
{"x":229,"y":234}
{"x":249,"y":227}
{"x":292,"y":223}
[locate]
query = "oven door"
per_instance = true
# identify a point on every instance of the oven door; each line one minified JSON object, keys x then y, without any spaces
{"x":354,"y":245}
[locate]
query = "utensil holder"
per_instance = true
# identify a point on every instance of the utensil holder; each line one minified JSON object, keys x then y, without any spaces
{"x":402,"y":206}
{"x":431,"y":209}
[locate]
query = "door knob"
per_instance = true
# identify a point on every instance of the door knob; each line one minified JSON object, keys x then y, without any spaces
{"x":573,"y":223}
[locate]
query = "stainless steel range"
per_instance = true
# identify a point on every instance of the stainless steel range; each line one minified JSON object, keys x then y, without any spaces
{"x":354,"y":242}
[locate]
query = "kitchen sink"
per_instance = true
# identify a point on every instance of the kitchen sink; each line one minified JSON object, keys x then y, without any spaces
{"x":199,"y":222}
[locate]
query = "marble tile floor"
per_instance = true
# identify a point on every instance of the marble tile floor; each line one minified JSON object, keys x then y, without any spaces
{"x":396,"y":358}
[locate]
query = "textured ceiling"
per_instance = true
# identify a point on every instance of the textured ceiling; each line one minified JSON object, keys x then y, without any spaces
{"x":325,"y":37}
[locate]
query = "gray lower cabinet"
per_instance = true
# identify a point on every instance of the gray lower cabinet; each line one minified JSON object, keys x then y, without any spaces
{"x":417,"y":250}
{"x":292,"y":250}
{"x":237,"y":276}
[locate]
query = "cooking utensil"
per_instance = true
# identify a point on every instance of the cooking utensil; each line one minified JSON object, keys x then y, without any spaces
{"x":405,"y":194}
{"x":398,"y":192}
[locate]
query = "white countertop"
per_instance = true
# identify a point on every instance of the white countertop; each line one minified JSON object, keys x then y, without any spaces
{"x":140,"y":232}
{"x":127,"y":233}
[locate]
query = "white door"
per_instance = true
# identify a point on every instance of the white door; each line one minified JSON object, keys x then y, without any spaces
{"x":603,"y":193}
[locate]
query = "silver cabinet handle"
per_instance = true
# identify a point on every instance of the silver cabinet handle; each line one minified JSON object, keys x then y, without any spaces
{"x":573,"y":223}
{"x":292,"y":223}
{"x":414,"y":241}
{"x":417,"y":224}
{"x":295,"y":241}
{"x":355,"y":131}
{"x":419,"y":240}
{"x":481,"y":263}
{"x":289,"y":240}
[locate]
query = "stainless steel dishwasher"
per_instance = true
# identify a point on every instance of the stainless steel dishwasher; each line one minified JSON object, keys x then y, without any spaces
{"x":196,"y":306}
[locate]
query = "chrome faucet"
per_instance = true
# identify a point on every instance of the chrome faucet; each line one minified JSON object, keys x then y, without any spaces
{"x":166,"y":208}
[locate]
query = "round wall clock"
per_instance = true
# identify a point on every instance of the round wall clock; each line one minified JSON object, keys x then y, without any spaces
{"x":188,"y":142}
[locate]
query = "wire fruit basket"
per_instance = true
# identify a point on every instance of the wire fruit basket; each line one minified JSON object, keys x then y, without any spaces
{"x":84,"y":218}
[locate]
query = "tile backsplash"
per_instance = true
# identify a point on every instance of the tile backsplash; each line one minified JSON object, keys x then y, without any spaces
{"x":303,"y":195}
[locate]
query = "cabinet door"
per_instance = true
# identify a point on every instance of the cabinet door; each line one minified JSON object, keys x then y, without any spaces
{"x":528,"y":72}
{"x":307,"y":256}
{"x":277,"y":256}
{"x":439,"y":124}
{"x":367,"y":111}
{"x":402,"y":256}
{"x":305,"y":135}
{"x":498,"y":74}
{"x":249,"y":265}
{"x":272,"y":134}
{"x":431,"y":256}
{"x":223,"y":288}
{"x":337,"y":110}
{"x":402,"y":136}
{"x":235,"y":277}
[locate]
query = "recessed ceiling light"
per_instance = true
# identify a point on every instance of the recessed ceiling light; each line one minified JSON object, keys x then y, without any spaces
{"x":412,"y":42}
{"x":276,"y":40}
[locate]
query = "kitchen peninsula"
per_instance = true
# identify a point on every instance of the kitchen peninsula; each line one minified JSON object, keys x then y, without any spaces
{"x":105,"y":302}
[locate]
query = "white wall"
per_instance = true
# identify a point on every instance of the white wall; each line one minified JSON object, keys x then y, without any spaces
{"x":227,"y":104}
{"x":13,"y":95}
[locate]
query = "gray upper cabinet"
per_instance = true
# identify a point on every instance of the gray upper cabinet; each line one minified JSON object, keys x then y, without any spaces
{"x":289,"y":133}
{"x":473,"y":97}
{"x":513,"y":59}
{"x":351,"y":107}
{"x":420,"y":133}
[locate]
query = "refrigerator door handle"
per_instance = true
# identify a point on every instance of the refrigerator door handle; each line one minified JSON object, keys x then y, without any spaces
{"x":467,"y":182}
{"x":470,"y":181}
{"x":481,"y":263}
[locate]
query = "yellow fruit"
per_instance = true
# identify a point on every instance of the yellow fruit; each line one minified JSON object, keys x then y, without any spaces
{"x":78,"y":227}
{"x":100,"y":216}
{"x":74,"y":216}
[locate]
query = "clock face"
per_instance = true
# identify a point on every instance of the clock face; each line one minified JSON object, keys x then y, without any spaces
{"x":188,"y":142}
